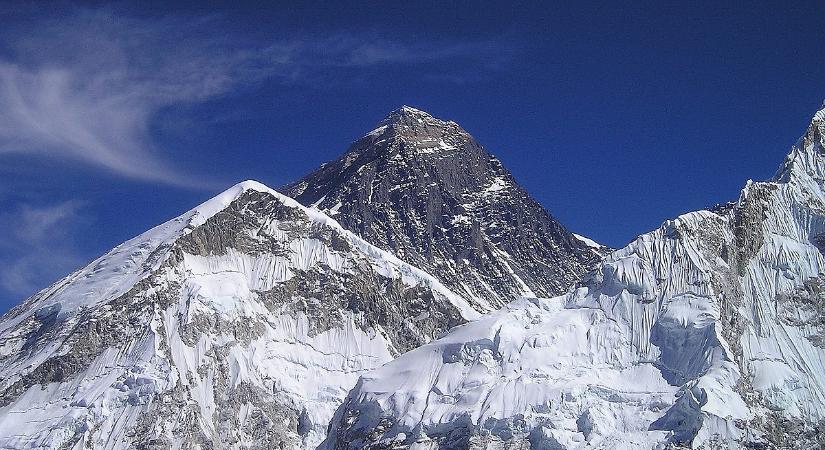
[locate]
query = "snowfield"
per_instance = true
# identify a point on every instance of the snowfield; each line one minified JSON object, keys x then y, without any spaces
{"x":708,"y":332}
{"x":252,"y":321}
{"x":241,"y":323}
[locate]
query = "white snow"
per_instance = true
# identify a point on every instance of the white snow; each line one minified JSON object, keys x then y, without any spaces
{"x":334,"y":210}
{"x":637,"y":354}
{"x":311,"y":371}
{"x":378,"y":131}
{"x":536,"y":358}
{"x":426,"y":146}
{"x":497,"y":185}
{"x":587,"y":241}
{"x":634,"y":356}
{"x":820,"y":115}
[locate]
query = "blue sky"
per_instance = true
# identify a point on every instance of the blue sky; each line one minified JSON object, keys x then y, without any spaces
{"x":116,"y":118}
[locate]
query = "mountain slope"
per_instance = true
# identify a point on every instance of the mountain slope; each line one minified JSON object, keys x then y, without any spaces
{"x":242,"y":323}
{"x":427,"y":191}
{"x":708,"y":332}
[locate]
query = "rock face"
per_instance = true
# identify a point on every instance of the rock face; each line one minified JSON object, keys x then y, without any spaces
{"x":427,"y":191}
{"x":240,"y":324}
{"x":706,"y":333}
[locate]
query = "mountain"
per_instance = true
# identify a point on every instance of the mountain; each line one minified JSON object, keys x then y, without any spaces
{"x":708,"y":332}
{"x":427,"y":191}
{"x":242,"y":323}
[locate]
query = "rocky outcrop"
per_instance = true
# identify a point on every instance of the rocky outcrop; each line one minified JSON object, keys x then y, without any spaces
{"x":240,"y":324}
{"x":705,"y":333}
{"x":427,"y":191}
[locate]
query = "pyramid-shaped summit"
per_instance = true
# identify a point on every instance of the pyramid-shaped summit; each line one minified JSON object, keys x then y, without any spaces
{"x":806,"y":156}
{"x":239,"y":324}
{"x":426,"y":190}
{"x":406,"y":112}
{"x":706,"y":333}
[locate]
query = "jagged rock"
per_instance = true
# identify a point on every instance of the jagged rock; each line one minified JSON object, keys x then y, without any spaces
{"x":427,"y":191}
{"x":705,"y":333}
{"x":240,"y":324}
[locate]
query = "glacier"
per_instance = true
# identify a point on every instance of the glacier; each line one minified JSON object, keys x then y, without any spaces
{"x":242,"y":323}
{"x":253,"y":321}
{"x":708,"y":332}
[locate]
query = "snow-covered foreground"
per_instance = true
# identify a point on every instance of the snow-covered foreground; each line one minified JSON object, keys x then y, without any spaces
{"x":707,"y":332}
{"x":247,"y":321}
{"x":533,"y":362}
{"x":242,"y":323}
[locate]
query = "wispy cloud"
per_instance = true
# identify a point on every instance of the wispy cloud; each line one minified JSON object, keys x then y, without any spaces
{"x":86,"y":86}
{"x":36,"y":247}
{"x":370,"y":49}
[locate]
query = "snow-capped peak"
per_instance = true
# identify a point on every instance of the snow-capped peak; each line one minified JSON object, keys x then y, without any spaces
{"x":806,"y":160}
{"x":705,"y":333}
{"x":820,"y":115}
{"x":241,"y":323}
{"x":112,"y":274}
{"x":209,"y":208}
{"x":412,"y":125}
{"x":407,"y":117}
{"x":425,"y":189}
{"x":407,"y":111}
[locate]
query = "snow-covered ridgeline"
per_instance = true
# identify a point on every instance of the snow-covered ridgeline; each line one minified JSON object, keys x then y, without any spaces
{"x":706,"y":332}
{"x":243,"y":322}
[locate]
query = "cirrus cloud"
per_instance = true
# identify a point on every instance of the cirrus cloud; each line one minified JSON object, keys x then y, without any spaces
{"x":86,"y":86}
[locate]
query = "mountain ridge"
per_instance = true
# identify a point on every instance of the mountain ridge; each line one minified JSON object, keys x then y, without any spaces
{"x":242,"y":322}
{"x":426,"y":190}
{"x":246,"y":321}
{"x":708,"y":332}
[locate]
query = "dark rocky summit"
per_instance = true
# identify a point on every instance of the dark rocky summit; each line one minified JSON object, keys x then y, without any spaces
{"x":706,"y":333}
{"x":426,"y":190}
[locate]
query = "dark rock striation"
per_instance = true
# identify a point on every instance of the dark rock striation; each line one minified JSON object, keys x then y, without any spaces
{"x":426,"y":190}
